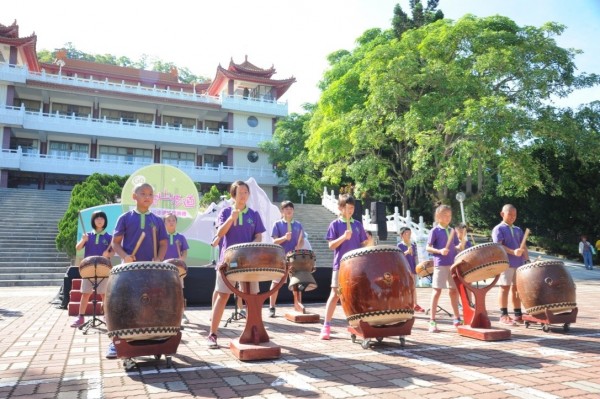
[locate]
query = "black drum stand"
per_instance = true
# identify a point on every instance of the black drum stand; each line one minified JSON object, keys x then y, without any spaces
{"x":94,"y":321}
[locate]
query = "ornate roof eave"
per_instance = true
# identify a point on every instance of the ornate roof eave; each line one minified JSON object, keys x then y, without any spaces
{"x":248,"y":68}
{"x":223,"y":74}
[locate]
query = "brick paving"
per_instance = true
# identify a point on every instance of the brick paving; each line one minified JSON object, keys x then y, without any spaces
{"x":42,"y":357}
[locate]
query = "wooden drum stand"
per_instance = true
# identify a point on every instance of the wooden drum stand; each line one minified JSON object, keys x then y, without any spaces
{"x":477,"y":323}
{"x":254,"y":342}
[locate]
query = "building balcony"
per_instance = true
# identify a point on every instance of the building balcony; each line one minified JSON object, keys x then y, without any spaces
{"x":20,"y":74}
{"x":112,"y":129}
{"x":77,"y":165}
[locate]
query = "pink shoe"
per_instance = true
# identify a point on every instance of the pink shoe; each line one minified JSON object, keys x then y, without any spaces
{"x":419,"y":309}
{"x":325,"y":332}
{"x":507,"y":321}
{"x":78,"y":321}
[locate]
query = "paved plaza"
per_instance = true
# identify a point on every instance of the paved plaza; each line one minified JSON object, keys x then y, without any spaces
{"x":41,"y":356}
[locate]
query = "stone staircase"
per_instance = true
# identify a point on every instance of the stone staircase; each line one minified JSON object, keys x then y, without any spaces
{"x":316,"y":219}
{"x":28,"y":255}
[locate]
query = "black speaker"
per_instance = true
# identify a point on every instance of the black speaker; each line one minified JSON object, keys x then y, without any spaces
{"x":382,"y":229}
{"x":377,"y":211}
{"x":358,"y":210}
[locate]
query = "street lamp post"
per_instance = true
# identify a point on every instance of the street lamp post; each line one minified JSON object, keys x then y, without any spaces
{"x":301,"y":194}
{"x":460,"y":197}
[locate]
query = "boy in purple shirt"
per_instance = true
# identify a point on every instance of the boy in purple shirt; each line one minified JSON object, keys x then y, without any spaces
{"x":510,"y":237}
{"x":410,"y":251}
{"x":443,"y":257}
{"x":95,"y":243}
{"x":237,"y":224}
{"x":288,"y":233}
{"x":344,"y":235}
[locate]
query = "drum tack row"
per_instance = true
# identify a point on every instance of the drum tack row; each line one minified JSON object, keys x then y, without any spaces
{"x":144,"y":300}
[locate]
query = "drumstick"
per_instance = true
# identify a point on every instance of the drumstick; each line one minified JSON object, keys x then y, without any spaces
{"x":450,"y":239}
{"x":348,"y":224}
{"x":178,"y":245}
{"x":82,"y":224}
{"x":154,"y":253}
{"x":289,"y":225}
{"x":138,"y":243}
{"x":524,"y":240}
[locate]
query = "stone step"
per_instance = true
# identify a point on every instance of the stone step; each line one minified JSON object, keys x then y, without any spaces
{"x":39,"y":247}
{"x":32,"y":283}
{"x":25,"y":264}
{"x":32,"y":276}
{"x":10,"y":260}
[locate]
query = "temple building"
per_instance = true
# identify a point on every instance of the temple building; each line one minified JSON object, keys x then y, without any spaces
{"x":62,"y":121}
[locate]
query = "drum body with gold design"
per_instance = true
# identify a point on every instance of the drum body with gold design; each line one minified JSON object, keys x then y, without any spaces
{"x":181,"y":266}
{"x":545,"y":285}
{"x":424,"y":268}
{"x":255,"y":261}
{"x":481,"y":262}
{"x":376,"y":286}
{"x":95,"y":266}
{"x":144,"y":301}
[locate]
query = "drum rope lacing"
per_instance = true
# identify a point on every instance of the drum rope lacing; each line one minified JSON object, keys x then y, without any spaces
{"x":143,"y":331}
{"x":143,"y":266}
{"x":254,"y":269}
{"x":541,"y":308}
{"x":361,"y":316}
{"x":368,"y":251}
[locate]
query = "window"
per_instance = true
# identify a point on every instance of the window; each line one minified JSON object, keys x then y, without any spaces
{"x":252,"y":121}
{"x":179,"y":158}
{"x":69,"y":109}
{"x":215,"y":125}
{"x":68,"y":150}
{"x":127,"y":116}
{"x":28,"y":146}
{"x":30,"y":105}
{"x":252,"y":156}
{"x":125,"y":154}
{"x":213,"y":161}
{"x":176,"y":121}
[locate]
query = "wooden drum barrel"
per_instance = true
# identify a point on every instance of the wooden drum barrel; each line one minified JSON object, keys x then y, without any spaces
{"x":481,"y":262}
{"x":181,"y":266}
{"x":95,"y":266}
{"x":301,"y":260}
{"x":144,"y":300}
{"x":255,"y":261}
{"x":545,"y":285}
{"x":376,"y":286}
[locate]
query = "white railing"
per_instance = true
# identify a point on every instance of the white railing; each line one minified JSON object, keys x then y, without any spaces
{"x":34,"y":162}
{"x":20,"y":74}
{"x":394,"y":221}
{"x":117,"y":129}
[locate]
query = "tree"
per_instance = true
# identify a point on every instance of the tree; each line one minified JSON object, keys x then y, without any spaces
{"x":97,"y":189}
{"x":213,"y":195}
{"x":401,"y":23}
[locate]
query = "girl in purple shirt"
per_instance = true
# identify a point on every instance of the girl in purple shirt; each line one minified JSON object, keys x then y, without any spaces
{"x":410,"y":251}
{"x":443,"y":257}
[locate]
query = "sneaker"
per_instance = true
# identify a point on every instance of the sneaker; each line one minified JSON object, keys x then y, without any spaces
{"x":211,"y":341}
{"x":272,"y":312}
{"x":78,"y":321}
{"x":419,"y":309}
{"x":518,"y":319}
{"x":433,"y":327}
{"x":506,"y":320}
{"x":242,"y":314}
{"x":325,"y":332}
{"x":457,"y":322}
{"x":111,"y":352}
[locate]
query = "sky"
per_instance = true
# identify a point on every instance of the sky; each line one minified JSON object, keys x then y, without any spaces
{"x":294,"y":37}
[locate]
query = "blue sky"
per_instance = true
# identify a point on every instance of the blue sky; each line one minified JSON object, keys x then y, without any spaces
{"x":293,"y":36}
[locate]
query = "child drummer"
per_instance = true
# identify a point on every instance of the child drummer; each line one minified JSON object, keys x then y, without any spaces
{"x":288,"y":233}
{"x":344,"y":234}
{"x":410,"y":251}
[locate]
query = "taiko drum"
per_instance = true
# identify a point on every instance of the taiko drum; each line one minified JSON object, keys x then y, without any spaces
{"x":545,"y":285}
{"x":144,"y":300}
{"x":254,"y":261}
{"x":481,"y":262}
{"x":424,"y":268}
{"x":301,"y":260}
{"x":95,"y":266}
{"x":376,"y":286}
{"x":181,"y":266}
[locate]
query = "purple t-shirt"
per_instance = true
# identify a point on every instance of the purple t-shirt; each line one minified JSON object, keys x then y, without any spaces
{"x":91,"y":248}
{"x":412,"y":259}
{"x":129,"y":225}
{"x":239,"y":233}
{"x":438,"y":237}
{"x":510,"y":238}
{"x":280,"y":228}
{"x":337,"y":228}
{"x":172,"y":242}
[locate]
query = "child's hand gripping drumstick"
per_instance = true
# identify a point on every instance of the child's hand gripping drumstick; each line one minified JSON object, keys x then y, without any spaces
{"x":519,"y":251}
{"x":137,"y":245}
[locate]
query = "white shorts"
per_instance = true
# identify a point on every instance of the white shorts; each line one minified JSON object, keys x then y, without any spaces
{"x":442,"y":277}
{"x":221,"y":287}
{"x":87,"y":285}
{"x":507,"y":277}
{"x":335,"y":279}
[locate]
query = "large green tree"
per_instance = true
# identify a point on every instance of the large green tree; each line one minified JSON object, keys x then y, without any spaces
{"x":447,"y":104}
